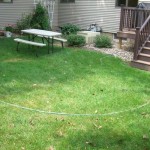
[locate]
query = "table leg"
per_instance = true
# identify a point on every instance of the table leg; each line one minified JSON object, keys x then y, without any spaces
{"x":43,"y":40}
{"x":52,"y":44}
{"x":29,"y":38}
{"x":48,"y":42}
{"x":33,"y":37}
{"x":62,"y":44}
{"x":17,"y":47}
{"x":37,"y":52}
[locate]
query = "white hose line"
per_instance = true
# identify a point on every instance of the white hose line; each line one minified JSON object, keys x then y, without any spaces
{"x":67,"y":114}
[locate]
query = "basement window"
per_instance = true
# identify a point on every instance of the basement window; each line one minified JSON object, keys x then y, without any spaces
{"x":67,"y":1}
{"x":6,"y":1}
{"x":127,"y":3}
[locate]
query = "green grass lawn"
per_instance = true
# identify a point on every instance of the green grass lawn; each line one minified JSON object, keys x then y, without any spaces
{"x":72,"y":81}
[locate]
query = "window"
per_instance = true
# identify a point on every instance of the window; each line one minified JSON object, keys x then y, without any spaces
{"x":67,"y":1}
{"x":6,"y":1}
{"x":128,"y":3}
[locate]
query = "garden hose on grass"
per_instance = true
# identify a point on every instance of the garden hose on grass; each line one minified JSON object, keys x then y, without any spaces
{"x":71,"y":114}
{"x":74,"y":114}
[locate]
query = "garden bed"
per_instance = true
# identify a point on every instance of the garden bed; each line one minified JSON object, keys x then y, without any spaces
{"x":123,"y":54}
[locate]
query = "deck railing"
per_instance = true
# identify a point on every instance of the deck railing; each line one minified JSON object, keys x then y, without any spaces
{"x":142,"y":36}
{"x":132,"y":17}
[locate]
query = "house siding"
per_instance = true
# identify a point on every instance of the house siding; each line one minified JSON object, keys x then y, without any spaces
{"x":82,"y":13}
{"x":86,"y":12}
{"x":55,"y":19}
{"x":145,"y":1}
{"x":11,"y":12}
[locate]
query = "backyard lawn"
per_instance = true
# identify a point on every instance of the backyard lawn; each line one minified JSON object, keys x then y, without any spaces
{"x":72,"y":81}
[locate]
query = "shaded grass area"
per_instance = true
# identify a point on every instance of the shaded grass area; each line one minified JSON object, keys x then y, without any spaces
{"x":71,"y":81}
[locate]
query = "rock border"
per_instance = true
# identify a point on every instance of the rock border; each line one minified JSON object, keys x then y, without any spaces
{"x":123,"y":54}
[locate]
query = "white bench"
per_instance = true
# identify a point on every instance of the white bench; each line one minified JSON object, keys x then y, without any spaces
{"x":29,"y":43}
{"x":60,"y":40}
{"x":55,"y":38}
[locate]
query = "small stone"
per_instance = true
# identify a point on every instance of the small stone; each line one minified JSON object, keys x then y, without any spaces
{"x":145,"y":137}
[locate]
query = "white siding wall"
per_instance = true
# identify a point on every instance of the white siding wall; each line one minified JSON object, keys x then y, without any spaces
{"x":85,"y":12}
{"x":145,"y":1}
{"x":11,"y":12}
{"x":82,"y":13}
{"x":55,"y":20}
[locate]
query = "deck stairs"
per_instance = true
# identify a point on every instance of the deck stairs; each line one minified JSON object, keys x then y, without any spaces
{"x":135,"y":24}
{"x":143,"y":59}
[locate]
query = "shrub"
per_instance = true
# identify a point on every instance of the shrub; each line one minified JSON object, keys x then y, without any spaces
{"x":40,"y":18}
{"x":24,"y":22}
{"x":10,"y":28}
{"x":76,"y":40}
{"x":103,"y":41}
{"x":68,"y":29}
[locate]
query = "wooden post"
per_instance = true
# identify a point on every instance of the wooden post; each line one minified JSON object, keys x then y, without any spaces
{"x":121,"y":17}
{"x":137,"y":40}
{"x":120,"y":43}
{"x":121,"y":24}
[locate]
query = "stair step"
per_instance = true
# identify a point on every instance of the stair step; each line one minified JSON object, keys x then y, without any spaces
{"x":143,"y":54}
{"x":148,"y":48}
{"x":147,"y":43}
{"x":141,"y":64}
{"x":144,"y":57}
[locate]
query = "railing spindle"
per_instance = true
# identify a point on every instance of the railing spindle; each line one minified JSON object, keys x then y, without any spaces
{"x":132,"y":18}
{"x":137,"y":40}
{"x":142,"y":36}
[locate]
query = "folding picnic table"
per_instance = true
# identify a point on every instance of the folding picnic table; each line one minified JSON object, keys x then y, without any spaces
{"x":43,"y":34}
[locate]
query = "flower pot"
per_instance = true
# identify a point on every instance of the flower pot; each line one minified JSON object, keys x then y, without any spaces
{"x":8,"y":34}
{"x":1,"y":33}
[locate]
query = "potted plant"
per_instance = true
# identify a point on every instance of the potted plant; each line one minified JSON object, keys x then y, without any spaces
{"x":1,"y":33}
{"x":8,"y":30}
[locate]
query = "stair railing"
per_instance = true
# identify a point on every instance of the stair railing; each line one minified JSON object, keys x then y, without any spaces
{"x":131,"y":17}
{"x":142,"y":36}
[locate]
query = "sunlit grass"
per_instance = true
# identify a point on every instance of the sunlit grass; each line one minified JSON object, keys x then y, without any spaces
{"x":71,"y":81}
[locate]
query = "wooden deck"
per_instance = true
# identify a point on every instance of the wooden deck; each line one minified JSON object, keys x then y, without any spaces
{"x":135,"y":24}
{"x":126,"y":34}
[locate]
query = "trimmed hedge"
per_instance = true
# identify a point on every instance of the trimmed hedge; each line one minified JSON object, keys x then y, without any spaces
{"x":76,"y":40}
{"x":68,"y":29}
{"x":103,"y":41}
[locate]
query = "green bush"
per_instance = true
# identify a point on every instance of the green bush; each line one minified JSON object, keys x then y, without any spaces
{"x":68,"y":29}
{"x":24,"y":22}
{"x":9,"y":28}
{"x":76,"y":40}
{"x":103,"y":41}
{"x":40,"y":18}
